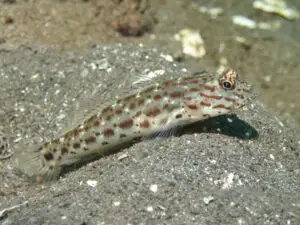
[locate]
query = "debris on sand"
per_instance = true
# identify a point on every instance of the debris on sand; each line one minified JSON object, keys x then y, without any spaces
{"x":278,"y":7}
{"x":252,"y":24}
{"x":191,"y":42}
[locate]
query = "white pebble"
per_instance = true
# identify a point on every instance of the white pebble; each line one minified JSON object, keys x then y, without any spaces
{"x":92,"y":183}
{"x":93,"y":66}
{"x":149,"y":209}
{"x":169,"y":58}
{"x":84,"y":73}
{"x":208,"y":199}
{"x":122,"y":156}
{"x":117,"y":203}
{"x":153,"y":188}
{"x":244,"y":21}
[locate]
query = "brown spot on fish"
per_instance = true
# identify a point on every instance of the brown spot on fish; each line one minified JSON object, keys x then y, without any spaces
{"x":182,"y":83}
{"x":90,"y":140}
{"x":176,"y":94}
{"x":194,"y":82}
{"x":193,"y":90}
{"x":76,"y":145}
{"x":86,"y":128}
{"x":97,"y":123}
{"x":119,"y":111}
{"x":145,"y":124}
{"x":153,"y":112}
{"x":210,"y":96}
{"x":64,"y":150}
{"x":178,"y":116}
{"x":238,"y":95}
{"x":123,"y":135}
{"x":132,"y":106}
{"x":137,"y":114}
{"x":192,"y":106}
{"x":188,"y":78}
{"x":141,"y":102}
{"x":48,"y":156}
{"x":210,"y":88}
{"x":150,"y":89}
{"x":165,"y":106}
{"x":75,"y":133}
{"x":230,"y":99}
{"x":126,"y":99}
{"x":156,"y":97}
{"x":108,"y":132}
{"x":89,"y":120}
{"x":221,"y":106}
{"x":205,"y":104}
{"x":135,"y":139}
{"x":167,"y":83}
{"x":107,"y":109}
{"x":126,"y":123}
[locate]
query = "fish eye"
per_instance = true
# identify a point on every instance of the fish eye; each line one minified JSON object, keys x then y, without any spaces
{"x":227,"y":85}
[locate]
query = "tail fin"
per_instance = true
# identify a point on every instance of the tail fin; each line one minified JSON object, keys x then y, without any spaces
{"x":29,"y":163}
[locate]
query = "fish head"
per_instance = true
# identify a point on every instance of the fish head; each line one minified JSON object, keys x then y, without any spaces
{"x":218,"y":96}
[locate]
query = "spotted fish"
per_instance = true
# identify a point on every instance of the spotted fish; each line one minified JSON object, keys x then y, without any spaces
{"x":167,"y":104}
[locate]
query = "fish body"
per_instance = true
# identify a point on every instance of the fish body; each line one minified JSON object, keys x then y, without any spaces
{"x":164,"y":105}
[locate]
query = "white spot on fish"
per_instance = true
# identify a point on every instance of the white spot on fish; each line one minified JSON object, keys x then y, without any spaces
{"x":229,"y":120}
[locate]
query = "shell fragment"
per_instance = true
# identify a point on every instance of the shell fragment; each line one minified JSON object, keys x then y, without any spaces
{"x":191,"y":42}
{"x":277,"y":6}
{"x":252,"y":24}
